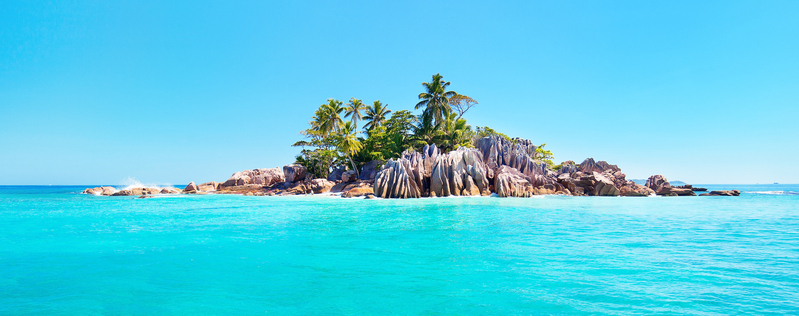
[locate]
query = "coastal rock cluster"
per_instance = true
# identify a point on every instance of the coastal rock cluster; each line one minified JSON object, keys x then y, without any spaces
{"x":111,"y":191}
{"x":509,"y":168}
{"x":505,"y":167}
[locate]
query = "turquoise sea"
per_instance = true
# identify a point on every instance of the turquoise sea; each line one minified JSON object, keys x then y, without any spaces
{"x":63,"y":253}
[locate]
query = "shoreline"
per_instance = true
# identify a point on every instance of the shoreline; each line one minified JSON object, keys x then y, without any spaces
{"x":495,"y":167}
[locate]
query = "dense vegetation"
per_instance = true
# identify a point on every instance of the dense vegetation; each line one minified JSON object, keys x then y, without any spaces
{"x":334,"y":140}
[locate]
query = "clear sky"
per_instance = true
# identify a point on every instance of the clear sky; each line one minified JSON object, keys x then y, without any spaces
{"x":179,"y":91}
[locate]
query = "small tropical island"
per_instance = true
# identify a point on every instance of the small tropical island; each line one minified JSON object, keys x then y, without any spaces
{"x":397,"y":154}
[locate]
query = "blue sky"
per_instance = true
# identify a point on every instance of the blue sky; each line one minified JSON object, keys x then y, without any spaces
{"x":172,"y":92}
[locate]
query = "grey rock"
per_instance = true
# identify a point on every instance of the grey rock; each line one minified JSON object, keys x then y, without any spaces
{"x":370,"y":170}
{"x":659,"y":184}
{"x":263,"y":176}
{"x":190,"y":188}
{"x":294,"y":172}
{"x":510,"y":182}
{"x":349,"y":176}
{"x":335,"y":175}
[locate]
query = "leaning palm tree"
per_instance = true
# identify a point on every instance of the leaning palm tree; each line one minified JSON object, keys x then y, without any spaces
{"x":354,"y":109}
{"x":349,"y":144}
{"x":376,"y":115}
{"x":435,"y":99}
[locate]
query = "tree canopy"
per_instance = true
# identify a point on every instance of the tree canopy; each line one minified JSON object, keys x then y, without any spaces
{"x":332,"y":142}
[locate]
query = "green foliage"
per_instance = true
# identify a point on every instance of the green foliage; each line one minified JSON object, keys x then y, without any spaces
{"x":435,"y":99}
{"x":544,"y":155}
{"x":376,"y":115}
{"x":353,"y":111}
{"x":334,"y":142}
{"x":461,"y":104}
{"x":486,"y":131}
{"x":318,"y":161}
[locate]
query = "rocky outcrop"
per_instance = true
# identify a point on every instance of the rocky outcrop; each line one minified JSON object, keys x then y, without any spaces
{"x":658,"y":183}
{"x":335,"y":175}
{"x":604,"y":186}
{"x":239,"y":189}
{"x":105,"y":191}
{"x":370,"y":170}
{"x":674,"y":191}
{"x":589,"y":165}
{"x":264,"y":176}
{"x":688,"y":186}
{"x":209,"y":186}
{"x":661,"y":186}
{"x":634,"y":189}
{"x":170,"y":191}
{"x":399,"y":179}
{"x":320,"y":185}
{"x":594,"y":184}
{"x":498,"y":151}
{"x":568,"y":167}
{"x":459,"y":172}
{"x":519,"y":154}
{"x":137,"y":191}
{"x":297,"y":188}
{"x":510,"y":182}
{"x":349,"y":176}
{"x":361,"y":190}
{"x":722,"y":193}
{"x":294,"y":172}
{"x":190,"y":188}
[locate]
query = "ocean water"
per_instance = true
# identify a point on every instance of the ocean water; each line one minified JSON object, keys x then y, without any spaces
{"x":63,"y":253}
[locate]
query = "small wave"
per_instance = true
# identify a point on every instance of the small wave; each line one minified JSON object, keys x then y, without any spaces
{"x":132,"y":183}
{"x":773,"y":192}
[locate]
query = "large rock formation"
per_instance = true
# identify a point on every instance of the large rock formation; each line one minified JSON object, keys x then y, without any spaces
{"x":209,"y":186}
{"x":190,"y":188}
{"x":635,"y":189}
{"x":657,"y":183}
{"x":398,"y":179}
{"x":510,"y":182}
{"x":349,"y":176}
{"x":320,"y":185}
{"x":362,"y":189}
{"x":105,"y":191}
{"x":265,"y":177}
{"x":459,"y":172}
{"x":604,"y":186}
{"x":595,"y":184}
{"x":407,"y":176}
{"x":294,"y":172}
{"x":568,"y":167}
{"x":170,"y":191}
{"x":137,"y":191}
{"x":519,"y":154}
{"x":370,"y":170}
{"x":661,"y":186}
{"x":335,"y":175}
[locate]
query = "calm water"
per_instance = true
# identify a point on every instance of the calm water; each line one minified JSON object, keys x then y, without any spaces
{"x":62,"y":253}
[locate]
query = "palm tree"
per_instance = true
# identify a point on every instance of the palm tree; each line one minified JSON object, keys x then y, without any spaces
{"x":425,"y":130}
{"x":456,"y":134}
{"x":376,"y":115}
{"x":436,"y":99}
{"x":354,"y":109}
{"x":348,"y":143}
{"x":327,"y":118}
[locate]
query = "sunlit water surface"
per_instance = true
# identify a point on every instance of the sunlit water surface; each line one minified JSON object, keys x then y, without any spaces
{"x":63,"y":253}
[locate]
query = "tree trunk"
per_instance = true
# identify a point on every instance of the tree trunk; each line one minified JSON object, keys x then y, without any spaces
{"x":353,"y":166}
